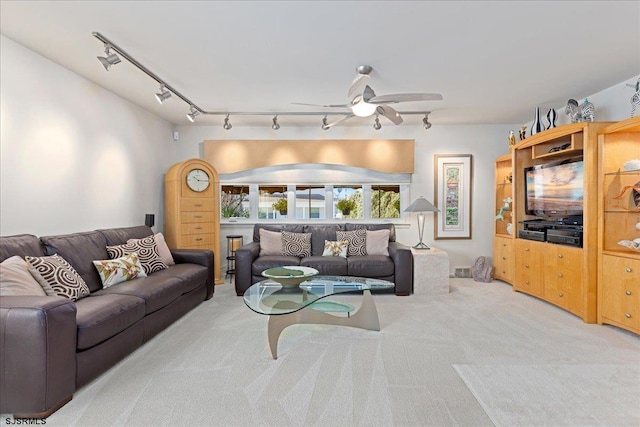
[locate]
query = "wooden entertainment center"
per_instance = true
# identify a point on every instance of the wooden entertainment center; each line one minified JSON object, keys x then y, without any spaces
{"x":597,"y":280}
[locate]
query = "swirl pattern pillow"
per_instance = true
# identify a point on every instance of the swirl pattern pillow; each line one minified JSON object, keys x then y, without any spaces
{"x":55,"y":273}
{"x":296,"y":244}
{"x":357,"y":241}
{"x":114,"y":271}
{"x":147,"y":251}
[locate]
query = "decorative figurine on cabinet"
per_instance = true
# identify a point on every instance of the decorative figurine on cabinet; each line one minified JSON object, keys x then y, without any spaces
{"x":573,"y":111}
{"x":552,"y":116}
{"x":587,"y":110}
{"x":512,"y":139}
{"x":522,"y":133}
{"x":536,"y":126}
{"x":505,"y":207}
{"x":635,"y":99}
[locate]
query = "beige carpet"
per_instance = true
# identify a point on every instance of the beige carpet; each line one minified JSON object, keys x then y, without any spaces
{"x":477,"y":356}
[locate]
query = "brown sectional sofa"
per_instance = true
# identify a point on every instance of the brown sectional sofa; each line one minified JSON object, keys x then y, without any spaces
{"x":51,"y":346}
{"x":396,"y":268}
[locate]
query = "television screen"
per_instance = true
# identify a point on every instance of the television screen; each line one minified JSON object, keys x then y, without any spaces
{"x":554,"y":189}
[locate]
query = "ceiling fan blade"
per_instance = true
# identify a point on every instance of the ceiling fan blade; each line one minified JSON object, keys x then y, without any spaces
{"x":326,"y":106}
{"x":341,"y":119}
{"x":389,"y":113}
{"x":357,"y":85}
{"x":405,"y":97}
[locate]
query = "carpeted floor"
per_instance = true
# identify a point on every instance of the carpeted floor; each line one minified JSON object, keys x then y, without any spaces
{"x":481,"y":355}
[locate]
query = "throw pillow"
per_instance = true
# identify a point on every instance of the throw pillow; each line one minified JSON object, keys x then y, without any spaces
{"x":163,"y":249}
{"x":270,"y":242}
{"x":114,"y":271}
{"x":146,"y":249}
{"x":55,"y":272}
{"x":296,"y":244}
{"x":357,"y":241}
{"x":338,"y":248}
{"x":15,"y":279}
{"x":377,"y":242}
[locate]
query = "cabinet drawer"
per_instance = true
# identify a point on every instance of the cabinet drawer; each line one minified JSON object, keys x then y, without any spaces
{"x":621,"y":291}
{"x":198,"y":228}
{"x":563,"y":257}
{"x":194,"y":204}
{"x":197,"y":239}
{"x":187,"y":217}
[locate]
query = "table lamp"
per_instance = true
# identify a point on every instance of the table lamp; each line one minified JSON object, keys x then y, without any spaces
{"x":421,"y":205}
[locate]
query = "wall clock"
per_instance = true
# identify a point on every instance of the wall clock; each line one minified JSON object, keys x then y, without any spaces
{"x":198,"y":180}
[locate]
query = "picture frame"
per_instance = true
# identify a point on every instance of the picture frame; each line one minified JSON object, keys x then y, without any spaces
{"x":453,"y":185}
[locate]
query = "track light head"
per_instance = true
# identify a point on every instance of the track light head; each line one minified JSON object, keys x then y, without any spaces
{"x":163,"y":95}
{"x":226,"y":124}
{"x":191,"y":115}
{"x":426,"y":122}
{"x":376,"y":123}
{"x":109,"y":59}
{"x":275,"y":125}
{"x":325,"y":123}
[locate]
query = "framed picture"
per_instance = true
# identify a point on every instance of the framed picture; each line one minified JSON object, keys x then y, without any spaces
{"x":453,"y":174}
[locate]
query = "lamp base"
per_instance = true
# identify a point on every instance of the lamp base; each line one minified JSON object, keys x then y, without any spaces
{"x":421,"y":246}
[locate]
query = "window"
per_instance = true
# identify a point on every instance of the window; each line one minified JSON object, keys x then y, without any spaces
{"x":347,"y":201}
{"x":310,"y":202}
{"x":272,"y":202}
{"x":385,"y":201}
{"x":234,"y":201}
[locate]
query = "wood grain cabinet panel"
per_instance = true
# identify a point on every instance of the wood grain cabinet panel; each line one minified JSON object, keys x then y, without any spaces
{"x":529,"y":275}
{"x":620,"y":297}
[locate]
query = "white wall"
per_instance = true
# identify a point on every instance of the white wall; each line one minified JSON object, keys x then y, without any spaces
{"x":74,"y":156}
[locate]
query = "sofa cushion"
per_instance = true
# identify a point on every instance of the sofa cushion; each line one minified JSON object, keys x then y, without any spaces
{"x":328,"y":266}
{"x":118,"y":236}
{"x":101,"y":317}
{"x":80,"y":249}
{"x":377,"y":242}
{"x":15,"y":279}
{"x":114,"y":271}
{"x":263,"y":263}
{"x":192,"y":275}
{"x":157,"y":291}
{"x":54,"y":272}
{"x":357,"y":241}
{"x":320,"y":233}
{"x":147,"y":251}
{"x":20,"y":245}
{"x":296,"y":244}
{"x":270,"y":242}
{"x":370,"y":266}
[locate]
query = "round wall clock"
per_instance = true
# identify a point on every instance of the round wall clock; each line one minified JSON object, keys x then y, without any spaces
{"x":198,"y":180}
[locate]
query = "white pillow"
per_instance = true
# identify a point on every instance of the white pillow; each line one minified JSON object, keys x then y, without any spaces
{"x":270,"y":242}
{"x":15,"y":279}
{"x":163,"y":249}
{"x":378,"y":242}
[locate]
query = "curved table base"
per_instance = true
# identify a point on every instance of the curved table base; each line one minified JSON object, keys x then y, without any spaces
{"x":365,"y":318}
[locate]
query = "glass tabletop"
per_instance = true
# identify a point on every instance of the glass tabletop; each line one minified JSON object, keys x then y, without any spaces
{"x":270,"y":298}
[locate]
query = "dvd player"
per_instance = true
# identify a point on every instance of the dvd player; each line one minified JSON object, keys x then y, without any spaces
{"x":565,"y":237}
{"x":539,"y":236}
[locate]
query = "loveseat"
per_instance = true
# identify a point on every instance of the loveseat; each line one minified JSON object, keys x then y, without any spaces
{"x":50,"y":345}
{"x":397,"y":267}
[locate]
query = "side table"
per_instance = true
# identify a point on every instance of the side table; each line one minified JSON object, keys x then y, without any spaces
{"x":430,"y":271}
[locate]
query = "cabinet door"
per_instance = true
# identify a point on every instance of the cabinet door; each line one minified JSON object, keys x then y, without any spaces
{"x":529,"y":275}
{"x":621,"y":291}
{"x":563,"y":277}
{"x":503,"y":259}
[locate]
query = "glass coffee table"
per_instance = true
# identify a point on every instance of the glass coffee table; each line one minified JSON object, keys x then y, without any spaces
{"x":293,"y":305}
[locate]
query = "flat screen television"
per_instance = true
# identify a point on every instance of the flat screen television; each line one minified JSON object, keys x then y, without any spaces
{"x":554,"y":189}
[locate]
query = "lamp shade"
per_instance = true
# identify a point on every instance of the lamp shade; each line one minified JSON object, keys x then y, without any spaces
{"x":421,"y":205}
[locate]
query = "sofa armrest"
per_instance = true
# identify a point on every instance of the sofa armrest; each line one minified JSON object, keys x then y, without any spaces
{"x":37,"y":354}
{"x":403,"y":264}
{"x":198,"y":256}
{"x":245,"y":256}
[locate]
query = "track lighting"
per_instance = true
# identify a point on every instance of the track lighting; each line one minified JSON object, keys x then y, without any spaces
{"x":109,"y":59}
{"x":163,"y":95}
{"x":226,"y":124}
{"x":376,"y":123}
{"x":275,"y":125}
{"x":325,"y":123}
{"x":191,"y":115}
{"x":426,"y":122}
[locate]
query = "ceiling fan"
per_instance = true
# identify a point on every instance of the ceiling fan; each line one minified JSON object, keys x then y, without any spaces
{"x":364,"y":102}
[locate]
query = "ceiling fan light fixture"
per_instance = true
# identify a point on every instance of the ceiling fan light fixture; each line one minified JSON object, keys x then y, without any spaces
{"x":227,"y":124}
{"x":363,"y":109}
{"x":275,"y":125}
{"x":163,"y":95}
{"x":376,"y":123}
{"x":109,"y":59}
{"x":191,"y":115}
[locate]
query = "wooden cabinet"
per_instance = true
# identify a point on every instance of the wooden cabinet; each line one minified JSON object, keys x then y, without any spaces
{"x":503,"y":260}
{"x":619,"y":219}
{"x":528,"y":267}
{"x":562,"y":266}
{"x":192,"y":209}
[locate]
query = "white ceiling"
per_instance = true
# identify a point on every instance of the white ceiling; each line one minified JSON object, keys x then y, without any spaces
{"x":493,"y":62}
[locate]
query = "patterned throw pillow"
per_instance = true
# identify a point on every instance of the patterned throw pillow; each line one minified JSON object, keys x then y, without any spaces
{"x":357,"y":241}
{"x":296,"y":244}
{"x":114,"y":271}
{"x":338,"y":248}
{"x":146,"y":249}
{"x":56,"y":273}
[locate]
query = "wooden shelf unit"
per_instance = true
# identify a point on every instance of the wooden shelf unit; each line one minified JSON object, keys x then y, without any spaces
{"x":503,"y":259}
{"x":618,"y":267}
{"x":562,"y":275}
